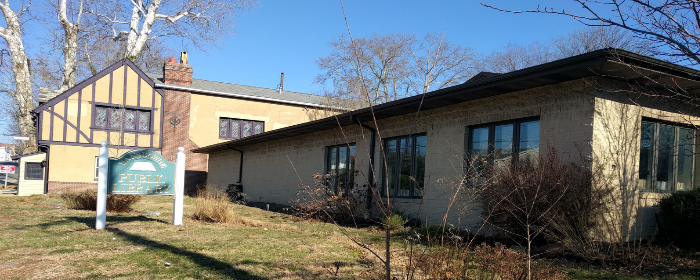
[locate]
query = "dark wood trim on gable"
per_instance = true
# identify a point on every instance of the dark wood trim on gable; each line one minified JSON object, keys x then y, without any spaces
{"x":96,"y":77}
{"x":77,"y":133}
{"x":51,"y":129}
{"x":65,"y":122}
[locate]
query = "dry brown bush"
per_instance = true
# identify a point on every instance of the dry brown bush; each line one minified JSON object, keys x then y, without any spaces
{"x":320,"y":202}
{"x":213,"y":205}
{"x":87,"y":200}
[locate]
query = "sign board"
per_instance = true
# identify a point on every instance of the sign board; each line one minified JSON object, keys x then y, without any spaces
{"x":141,"y":172}
{"x":23,"y":138}
{"x":7,"y":169}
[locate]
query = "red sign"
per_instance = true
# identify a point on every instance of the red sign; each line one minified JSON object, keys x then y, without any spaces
{"x":7,"y":169}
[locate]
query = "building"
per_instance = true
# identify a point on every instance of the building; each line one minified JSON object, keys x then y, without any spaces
{"x":604,"y":104}
{"x":160,"y":112}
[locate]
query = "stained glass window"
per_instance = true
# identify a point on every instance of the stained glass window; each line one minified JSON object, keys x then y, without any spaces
{"x":246,"y":129}
{"x":130,"y":119}
{"x":115,"y":118}
{"x":126,"y":119}
{"x":100,"y":116}
{"x":235,"y":128}
{"x":144,"y":121}
{"x":223,"y":127}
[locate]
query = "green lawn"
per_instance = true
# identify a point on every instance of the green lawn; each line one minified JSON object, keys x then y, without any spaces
{"x":40,"y":239}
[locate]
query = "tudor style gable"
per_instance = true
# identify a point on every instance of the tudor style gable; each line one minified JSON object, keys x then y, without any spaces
{"x":119,"y":104}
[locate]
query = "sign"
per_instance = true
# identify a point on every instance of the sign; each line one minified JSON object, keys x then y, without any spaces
{"x":141,"y":172}
{"x":7,"y":169}
{"x":23,"y":138}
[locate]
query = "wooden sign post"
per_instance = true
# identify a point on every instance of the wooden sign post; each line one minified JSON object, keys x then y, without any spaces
{"x":140,"y":172}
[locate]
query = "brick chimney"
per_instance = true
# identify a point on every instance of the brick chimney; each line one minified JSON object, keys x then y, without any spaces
{"x":178,"y":73}
{"x":176,"y":126}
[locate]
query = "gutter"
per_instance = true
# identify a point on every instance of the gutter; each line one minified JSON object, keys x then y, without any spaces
{"x":240,"y":165}
{"x":373,"y":133}
{"x":228,"y":94}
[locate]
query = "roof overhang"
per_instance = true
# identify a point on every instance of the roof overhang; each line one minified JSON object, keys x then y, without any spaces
{"x":612,"y":63}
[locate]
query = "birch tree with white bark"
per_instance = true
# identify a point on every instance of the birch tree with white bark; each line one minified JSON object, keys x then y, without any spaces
{"x":21,"y":92}
{"x":201,"y":22}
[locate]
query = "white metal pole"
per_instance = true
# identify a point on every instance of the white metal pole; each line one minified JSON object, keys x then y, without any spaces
{"x":179,"y":186}
{"x":102,"y":167}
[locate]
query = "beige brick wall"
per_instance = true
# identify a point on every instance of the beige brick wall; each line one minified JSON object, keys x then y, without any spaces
{"x":273,"y":170}
{"x":617,"y":137}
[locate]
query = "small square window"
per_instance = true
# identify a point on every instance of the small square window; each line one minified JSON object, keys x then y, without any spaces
{"x":33,"y":171}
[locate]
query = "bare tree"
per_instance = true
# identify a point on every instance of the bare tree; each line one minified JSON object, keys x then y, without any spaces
{"x":595,"y":38}
{"x":70,"y":43}
{"x":670,"y":27}
{"x":393,"y":66}
{"x":138,"y":21}
{"x":514,"y":57}
{"x":21,"y":92}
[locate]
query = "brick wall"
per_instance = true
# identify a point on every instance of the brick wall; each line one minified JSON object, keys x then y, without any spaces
{"x":70,"y":186}
{"x":177,"y":105}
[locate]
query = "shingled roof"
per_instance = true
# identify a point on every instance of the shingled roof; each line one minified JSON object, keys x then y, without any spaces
{"x":242,"y":91}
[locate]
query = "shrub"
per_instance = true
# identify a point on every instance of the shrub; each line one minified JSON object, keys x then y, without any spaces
{"x":213,"y":205}
{"x":546,"y":196}
{"x":680,"y":214}
{"x":320,"y":202}
{"x":87,"y":200}
{"x":235,"y":194}
{"x":397,"y":221}
{"x":484,"y":262}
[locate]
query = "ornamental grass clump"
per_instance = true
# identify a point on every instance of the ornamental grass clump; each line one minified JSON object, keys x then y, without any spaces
{"x":87,"y":200}
{"x":213,"y":205}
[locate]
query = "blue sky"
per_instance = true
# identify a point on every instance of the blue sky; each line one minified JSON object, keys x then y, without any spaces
{"x":288,"y":36}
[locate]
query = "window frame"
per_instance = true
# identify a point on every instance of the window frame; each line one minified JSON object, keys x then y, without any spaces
{"x":413,"y":192}
{"x":26,"y":171}
{"x":93,"y":118}
{"x":516,"y":138}
{"x":349,"y":169}
{"x":653,"y":188}
{"x":240,"y":127}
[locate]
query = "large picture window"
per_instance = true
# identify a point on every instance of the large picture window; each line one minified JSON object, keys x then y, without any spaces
{"x":667,"y":157}
{"x":496,"y":144}
{"x":33,"y":171}
{"x":340,"y":167}
{"x":235,"y":128}
{"x":121,"y":119}
{"x":405,"y":172}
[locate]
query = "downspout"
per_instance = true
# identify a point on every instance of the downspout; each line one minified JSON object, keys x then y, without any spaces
{"x":373,"y":133}
{"x":240,"y":165}
{"x":46,"y":171}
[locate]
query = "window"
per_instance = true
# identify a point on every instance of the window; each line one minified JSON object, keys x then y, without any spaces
{"x":340,"y":166}
{"x":122,"y":119}
{"x":33,"y":171}
{"x":495,"y":144}
{"x":666,"y":157}
{"x":405,"y":172}
{"x":235,"y":128}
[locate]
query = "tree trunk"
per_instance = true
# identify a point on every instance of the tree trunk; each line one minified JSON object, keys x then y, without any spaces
{"x":22,"y":95}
